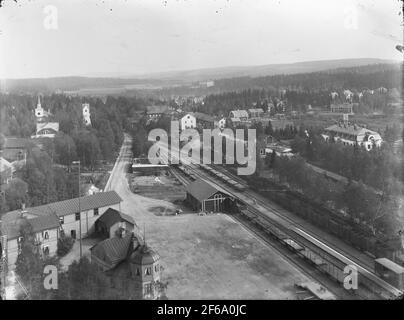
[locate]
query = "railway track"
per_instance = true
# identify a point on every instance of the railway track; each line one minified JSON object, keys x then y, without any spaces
{"x":291,"y":226}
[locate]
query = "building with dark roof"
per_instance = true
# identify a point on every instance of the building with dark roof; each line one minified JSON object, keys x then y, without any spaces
{"x":112,"y":251}
{"x":202,"y":196}
{"x":86,"y":209}
{"x":112,"y":222}
{"x":128,"y":260}
{"x":45,"y":227}
{"x":351,"y":135}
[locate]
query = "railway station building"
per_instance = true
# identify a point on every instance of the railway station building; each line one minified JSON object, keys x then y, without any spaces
{"x":202,"y":196}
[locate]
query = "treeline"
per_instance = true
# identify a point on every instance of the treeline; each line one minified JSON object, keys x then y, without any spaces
{"x":355,"y":200}
{"x":378,"y":168}
{"x":371,"y":76}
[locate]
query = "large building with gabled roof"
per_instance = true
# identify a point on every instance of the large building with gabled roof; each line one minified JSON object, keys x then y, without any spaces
{"x":202,"y":196}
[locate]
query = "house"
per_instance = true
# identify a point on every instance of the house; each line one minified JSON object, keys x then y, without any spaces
{"x":351,"y":135}
{"x":342,"y":108}
{"x":46,"y":130}
{"x":45,"y":226}
{"x":197,"y":119}
{"x":202,"y":196}
{"x":6,"y":171}
{"x":15,"y":149}
{"x":157,"y":112}
{"x":348,"y":95}
{"x":255,"y":113}
{"x":204,"y":120}
{"x":130,"y":262}
{"x":86,"y":114}
{"x":238,"y":115}
{"x":188,"y":122}
{"x":86,"y":209}
{"x":221,"y":123}
{"x":279,"y":149}
{"x":113,"y":222}
{"x":112,"y":251}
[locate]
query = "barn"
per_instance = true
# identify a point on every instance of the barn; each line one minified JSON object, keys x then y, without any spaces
{"x":113,"y":221}
{"x":202,"y":196}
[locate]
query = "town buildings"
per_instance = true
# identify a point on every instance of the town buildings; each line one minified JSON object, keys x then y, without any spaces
{"x":55,"y":219}
{"x":344,"y":108}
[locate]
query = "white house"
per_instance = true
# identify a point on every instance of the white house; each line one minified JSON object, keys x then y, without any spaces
{"x":86,"y":114}
{"x":188,"y":121}
{"x":44,"y":224}
{"x":351,"y":135}
{"x":46,"y":130}
{"x":221,"y":123}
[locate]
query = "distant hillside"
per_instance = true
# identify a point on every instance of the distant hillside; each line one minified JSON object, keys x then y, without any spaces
{"x":155,"y":81}
{"x":264,"y":70}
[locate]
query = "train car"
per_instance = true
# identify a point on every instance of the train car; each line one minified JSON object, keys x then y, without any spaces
{"x":366,"y":277}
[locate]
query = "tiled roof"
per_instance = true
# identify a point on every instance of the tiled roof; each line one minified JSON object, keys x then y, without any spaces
{"x":13,"y":221}
{"x":201,"y":190}
{"x":112,"y":216}
{"x":15,"y":143}
{"x":157,"y":109}
{"x":203,"y":116}
{"x":114,"y":250}
{"x":353,"y":130}
{"x":259,"y":110}
{"x":239,"y":114}
{"x":71,"y":206}
{"x":144,"y":256}
{"x":47,"y":125}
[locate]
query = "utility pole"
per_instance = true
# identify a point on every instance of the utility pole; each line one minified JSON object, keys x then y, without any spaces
{"x":81,"y":249}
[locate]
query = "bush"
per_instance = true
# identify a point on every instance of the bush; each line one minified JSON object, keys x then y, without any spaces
{"x":64,"y":245}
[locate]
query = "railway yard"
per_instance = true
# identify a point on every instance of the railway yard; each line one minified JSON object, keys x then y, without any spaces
{"x":317,"y":254}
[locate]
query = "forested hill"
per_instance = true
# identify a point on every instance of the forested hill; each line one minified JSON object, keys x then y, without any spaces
{"x":371,"y":76}
{"x":226,"y":79}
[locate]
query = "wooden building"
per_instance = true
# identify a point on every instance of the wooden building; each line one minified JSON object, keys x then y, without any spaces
{"x":202,"y":196}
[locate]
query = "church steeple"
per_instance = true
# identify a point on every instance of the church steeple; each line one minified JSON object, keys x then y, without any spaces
{"x":39,"y":102}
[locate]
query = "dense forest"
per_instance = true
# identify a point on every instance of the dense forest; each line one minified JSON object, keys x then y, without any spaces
{"x":47,"y":175}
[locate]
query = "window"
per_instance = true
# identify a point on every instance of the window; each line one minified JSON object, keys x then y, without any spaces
{"x":147,"y":271}
{"x":156,"y":268}
{"x":137,"y":272}
{"x":46,"y":235}
{"x":45,"y":250}
{"x":148,"y":289}
{"x":62,"y":220}
{"x":96,"y":212}
{"x":77,"y":216}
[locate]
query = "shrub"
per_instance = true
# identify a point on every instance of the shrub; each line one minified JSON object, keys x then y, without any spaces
{"x":65,"y":244}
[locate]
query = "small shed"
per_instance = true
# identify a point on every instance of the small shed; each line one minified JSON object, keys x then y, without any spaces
{"x":113,"y":222}
{"x":202,"y":196}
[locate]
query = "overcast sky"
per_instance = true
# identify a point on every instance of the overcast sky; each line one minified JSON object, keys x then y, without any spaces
{"x":95,"y":37}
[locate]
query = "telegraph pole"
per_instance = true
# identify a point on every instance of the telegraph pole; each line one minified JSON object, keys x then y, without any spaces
{"x":81,"y":249}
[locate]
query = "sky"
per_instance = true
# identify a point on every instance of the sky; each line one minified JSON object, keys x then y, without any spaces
{"x":46,"y":38}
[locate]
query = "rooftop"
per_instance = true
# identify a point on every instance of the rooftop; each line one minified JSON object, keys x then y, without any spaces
{"x":112,"y":216}
{"x":113,"y":250}
{"x":201,"y":190}
{"x":71,"y":206}
{"x":390,"y":265}
{"x":157,"y":109}
{"x":11,"y":223}
{"x":350,"y":129}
